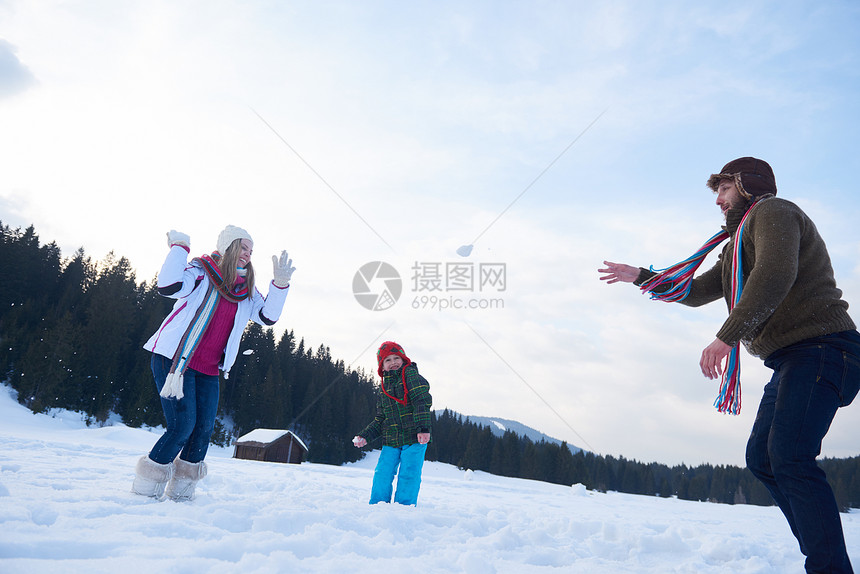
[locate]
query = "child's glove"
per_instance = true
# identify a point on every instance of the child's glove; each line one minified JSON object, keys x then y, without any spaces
{"x":283,"y":270}
{"x":178,"y":238}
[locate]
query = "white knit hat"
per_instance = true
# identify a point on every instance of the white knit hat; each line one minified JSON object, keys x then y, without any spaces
{"x":230,"y":234}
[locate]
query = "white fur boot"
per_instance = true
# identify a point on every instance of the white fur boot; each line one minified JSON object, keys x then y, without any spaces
{"x":151,"y":478}
{"x":181,"y":486}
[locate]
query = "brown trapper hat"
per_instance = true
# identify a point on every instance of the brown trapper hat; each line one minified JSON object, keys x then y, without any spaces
{"x":754,"y":177}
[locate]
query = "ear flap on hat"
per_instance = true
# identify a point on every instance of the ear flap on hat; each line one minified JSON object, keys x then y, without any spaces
{"x":753,"y":176}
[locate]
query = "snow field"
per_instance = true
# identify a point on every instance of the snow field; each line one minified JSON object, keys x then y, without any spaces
{"x":66,"y":505}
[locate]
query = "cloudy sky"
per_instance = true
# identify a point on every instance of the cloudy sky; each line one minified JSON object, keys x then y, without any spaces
{"x":548,"y":135}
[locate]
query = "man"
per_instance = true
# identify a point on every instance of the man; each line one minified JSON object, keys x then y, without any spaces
{"x":787,"y":310}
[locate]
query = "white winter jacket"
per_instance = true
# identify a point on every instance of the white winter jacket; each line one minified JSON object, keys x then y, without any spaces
{"x":192,"y":283}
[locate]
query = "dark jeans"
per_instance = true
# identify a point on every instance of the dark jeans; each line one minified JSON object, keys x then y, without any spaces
{"x":811,"y":380}
{"x":190,"y":420}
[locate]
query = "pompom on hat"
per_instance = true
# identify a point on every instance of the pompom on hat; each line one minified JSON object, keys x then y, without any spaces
{"x":230,"y":234}
{"x":390,"y":348}
{"x":754,"y":177}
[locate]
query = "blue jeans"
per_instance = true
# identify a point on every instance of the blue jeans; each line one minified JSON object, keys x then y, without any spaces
{"x":410,"y":459}
{"x":191,"y":419}
{"x":811,"y":380}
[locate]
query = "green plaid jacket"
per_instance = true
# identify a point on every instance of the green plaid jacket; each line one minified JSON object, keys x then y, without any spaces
{"x":399,"y":424}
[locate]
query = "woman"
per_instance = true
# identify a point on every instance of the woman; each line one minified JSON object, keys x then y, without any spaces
{"x":215,"y":299}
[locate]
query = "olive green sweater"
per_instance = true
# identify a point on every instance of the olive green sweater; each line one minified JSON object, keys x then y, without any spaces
{"x":789,"y":290}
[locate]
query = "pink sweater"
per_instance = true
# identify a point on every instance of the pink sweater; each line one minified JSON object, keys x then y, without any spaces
{"x":210,"y":350}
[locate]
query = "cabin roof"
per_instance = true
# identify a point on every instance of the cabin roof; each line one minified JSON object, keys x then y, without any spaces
{"x":268,"y":436}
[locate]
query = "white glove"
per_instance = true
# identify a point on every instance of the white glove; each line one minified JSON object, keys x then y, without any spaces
{"x":283,"y":270}
{"x":178,"y":238}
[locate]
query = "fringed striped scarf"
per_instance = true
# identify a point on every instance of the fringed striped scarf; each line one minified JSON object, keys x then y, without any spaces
{"x":674,"y":284}
{"x":210,"y":265}
{"x":173,"y":385}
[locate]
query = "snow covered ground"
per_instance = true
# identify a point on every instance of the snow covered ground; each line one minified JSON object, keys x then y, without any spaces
{"x":66,"y":506}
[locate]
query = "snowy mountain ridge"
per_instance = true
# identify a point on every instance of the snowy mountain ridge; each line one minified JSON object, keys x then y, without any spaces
{"x":499,"y":426}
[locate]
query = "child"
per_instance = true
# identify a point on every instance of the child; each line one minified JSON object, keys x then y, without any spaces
{"x":403,"y":420}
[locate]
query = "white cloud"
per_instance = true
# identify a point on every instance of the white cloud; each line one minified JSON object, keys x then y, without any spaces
{"x":15,"y":77}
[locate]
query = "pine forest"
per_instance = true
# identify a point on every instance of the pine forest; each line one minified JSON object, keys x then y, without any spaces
{"x":71,"y":336}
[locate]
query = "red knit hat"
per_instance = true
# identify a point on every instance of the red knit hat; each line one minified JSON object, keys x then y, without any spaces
{"x":390,"y":348}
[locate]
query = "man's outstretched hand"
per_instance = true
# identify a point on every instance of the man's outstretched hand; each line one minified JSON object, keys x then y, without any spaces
{"x":615,"y":272}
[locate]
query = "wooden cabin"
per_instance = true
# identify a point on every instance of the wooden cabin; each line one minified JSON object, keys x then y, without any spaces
{"x":270,"y":445}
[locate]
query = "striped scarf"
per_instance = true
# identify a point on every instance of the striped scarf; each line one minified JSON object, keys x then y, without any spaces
{"x":210,"y":265}
{"x":674,"y":284}
{"x":173,"y":384}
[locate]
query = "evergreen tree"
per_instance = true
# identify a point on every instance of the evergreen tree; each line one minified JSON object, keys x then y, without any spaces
{"x":140,"y":404}
{"x":108,"y":337}
{"x":247,"y":378}
{"x":71,"y":336}
{"x":478,"y":450}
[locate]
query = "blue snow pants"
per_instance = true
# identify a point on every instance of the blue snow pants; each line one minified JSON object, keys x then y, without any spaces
{"x":410,"y":459}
